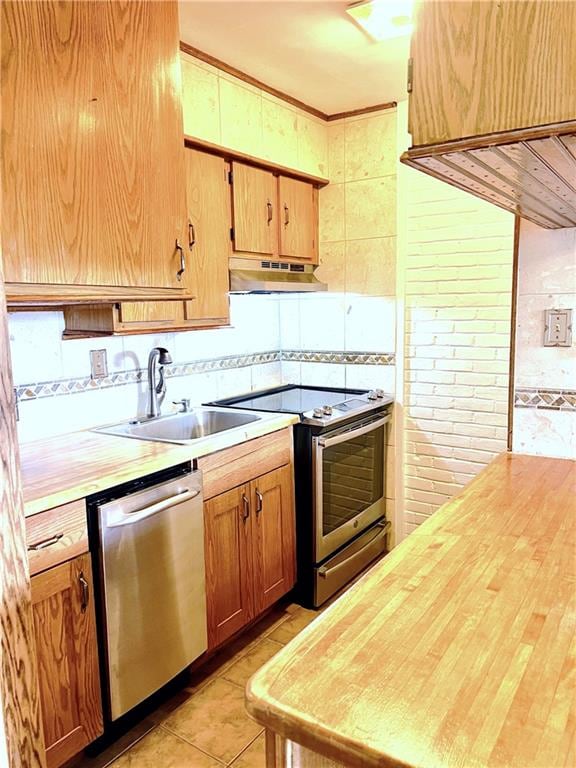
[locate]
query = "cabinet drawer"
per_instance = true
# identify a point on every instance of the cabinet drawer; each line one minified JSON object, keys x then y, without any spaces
{"x":56,"y":535}
{"x":235,"y":466}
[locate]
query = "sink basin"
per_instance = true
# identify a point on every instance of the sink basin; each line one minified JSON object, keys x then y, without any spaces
{"x":182,"y":427}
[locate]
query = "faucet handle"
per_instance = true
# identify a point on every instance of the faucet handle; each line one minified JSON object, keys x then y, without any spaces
{"x":184,"y":403}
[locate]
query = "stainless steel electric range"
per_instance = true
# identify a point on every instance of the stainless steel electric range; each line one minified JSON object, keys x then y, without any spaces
{"x":340,"y":476}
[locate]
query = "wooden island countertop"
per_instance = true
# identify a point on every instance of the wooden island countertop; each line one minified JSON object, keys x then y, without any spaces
{"x":456,"y":650}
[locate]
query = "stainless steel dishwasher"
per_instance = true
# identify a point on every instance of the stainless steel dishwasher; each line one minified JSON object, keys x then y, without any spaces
{"x":149,"y":555}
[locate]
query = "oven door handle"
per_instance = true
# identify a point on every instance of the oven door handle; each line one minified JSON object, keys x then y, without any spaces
{"x":326,"y":442}
{"x":384,"y":528}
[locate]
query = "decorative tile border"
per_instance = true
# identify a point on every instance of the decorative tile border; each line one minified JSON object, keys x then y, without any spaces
{"x":122,"y":378}
{"x":351,"y":358}
{"x":549,"y":399}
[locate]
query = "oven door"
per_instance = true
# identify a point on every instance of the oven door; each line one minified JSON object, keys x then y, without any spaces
{"x":349,"y":480}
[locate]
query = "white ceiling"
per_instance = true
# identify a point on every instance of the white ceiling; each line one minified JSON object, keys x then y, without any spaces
{"x":307,"y":49}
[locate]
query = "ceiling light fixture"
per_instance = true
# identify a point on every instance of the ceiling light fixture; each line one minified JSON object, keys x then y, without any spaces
{"x":383,"y":19}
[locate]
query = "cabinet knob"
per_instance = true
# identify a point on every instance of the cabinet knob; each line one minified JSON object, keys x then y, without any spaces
{"x":270,"y":211}
{"x":260,"y":503}
{"x":286,"y":215}
{"x":191,"y":235}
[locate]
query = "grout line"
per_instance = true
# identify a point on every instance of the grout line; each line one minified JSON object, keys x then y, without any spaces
{"x":231,"y":763}
{"x":191,"y":744}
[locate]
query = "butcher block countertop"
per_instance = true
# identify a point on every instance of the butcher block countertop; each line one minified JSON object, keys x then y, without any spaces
{"x":458,"y":649}
{"x":61,"y":469}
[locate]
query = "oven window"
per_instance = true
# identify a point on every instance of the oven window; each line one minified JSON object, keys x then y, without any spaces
{"x":352,"y":478}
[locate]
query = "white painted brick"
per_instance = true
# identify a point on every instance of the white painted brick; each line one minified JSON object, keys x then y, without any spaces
{"x":493,"y":340}
{"x":417,"y":483}
{"x":436,"y":377}
{"x":498,"y":394}
{"x":476,"y":430}
{"x":488,"y":445}
{"x":441,"y":440}
{"x":454,"y":390}
{"x":474,"y":404}
{"x":427,"y":496}
{"x":435,"y":352}
{"x":430,"y":425}
{"x":454,"y":415}
{"x":430,"y":401}
{"x":475,"y":379}
{"x":431,"y":473}
{"x":492,"y":419}
{"x":455,"y":465}
{"x":468,"y":454}
{"x":418,"y":506}
{"x":417,"y":412}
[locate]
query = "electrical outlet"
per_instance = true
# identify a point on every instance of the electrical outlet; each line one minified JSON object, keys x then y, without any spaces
{"x":98,"y":364}
{"x":558,"y":328}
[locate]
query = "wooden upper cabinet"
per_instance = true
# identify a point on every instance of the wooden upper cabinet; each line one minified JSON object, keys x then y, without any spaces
{"x":485,"y":67}
{"x":255,"y":210}
{"x":273,"y":541}
{"x":67,"y":658}
{"x":228,"y":558}
{"x":92,"y":140}
{"x":207,"y":278}
{"x":298,"y":218}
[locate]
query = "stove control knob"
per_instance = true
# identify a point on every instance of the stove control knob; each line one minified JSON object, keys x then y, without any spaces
{"x":379,"y":393}
{"x":318,"y":413}
{"x":372,"y":395}
{"x":327,"y":410}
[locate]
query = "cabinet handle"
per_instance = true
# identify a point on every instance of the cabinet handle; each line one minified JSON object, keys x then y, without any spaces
{"x":191,"y":235}
{"x":270,"y":210}
{"x":182,"y":261}
{"x":286,"y":215}
{"x":260,"y":503}
{"x":85,"y":592}
{"x":45,"y":543}
{"x":245,"y":508}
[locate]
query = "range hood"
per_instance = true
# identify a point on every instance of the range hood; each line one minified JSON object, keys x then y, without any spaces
{"x":530,"y":172}
{"x":251,"y":276}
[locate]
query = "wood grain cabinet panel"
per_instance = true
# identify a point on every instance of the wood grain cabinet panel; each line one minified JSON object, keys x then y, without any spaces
{"x":209,"y":214}
{"x":249,"y":537}
{"x":92,"y":134}
{"x":298,"y":219}
{"x":67,"y":658}
{"x":227,"y":532}
{"x":255,"y":210}
{"x":273,"y":540}
{"x":481,"y":68}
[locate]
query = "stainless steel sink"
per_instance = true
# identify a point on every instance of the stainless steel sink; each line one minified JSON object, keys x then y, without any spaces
{"x":182,"y":427}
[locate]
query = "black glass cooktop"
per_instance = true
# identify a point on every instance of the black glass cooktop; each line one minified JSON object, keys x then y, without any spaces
{"x":291,"y":399}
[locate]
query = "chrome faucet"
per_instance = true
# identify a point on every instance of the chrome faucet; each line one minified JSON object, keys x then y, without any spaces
{"x":158,"y":358}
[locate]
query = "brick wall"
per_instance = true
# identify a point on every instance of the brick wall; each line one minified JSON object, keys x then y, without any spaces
{"x":458,"y":275}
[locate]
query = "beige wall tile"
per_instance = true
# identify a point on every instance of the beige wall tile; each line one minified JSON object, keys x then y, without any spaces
{"x":312,"y":146}
{"x":336,"y":153}
{"x":331,"y":213}
{"x":240,"y":118}
{"x":331,"y":269}
{"x":370,"y":208}
{"x":200,"y":102}
{"x":371,"y":266}
{"x":371,"y":147}
{"x":279,"y":133}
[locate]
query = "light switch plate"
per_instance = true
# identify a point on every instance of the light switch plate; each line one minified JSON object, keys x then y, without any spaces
{"x":98,"y":364}
{"x":558,"y":328}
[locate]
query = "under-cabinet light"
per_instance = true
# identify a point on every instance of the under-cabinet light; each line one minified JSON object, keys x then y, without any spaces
{"x":383,"y":19}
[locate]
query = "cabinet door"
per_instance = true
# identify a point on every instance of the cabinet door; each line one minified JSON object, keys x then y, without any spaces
{"x":254,"y":196}
{"x":67,"y":656}
{"x":298,"y":219}
{"x":227,"y":533}
{"x":91,"y":141}
{"x":481,"y":68}
{"x":207,"y":277}
{"x":273,"y":539}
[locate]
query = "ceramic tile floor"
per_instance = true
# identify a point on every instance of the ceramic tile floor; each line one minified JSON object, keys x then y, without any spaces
{"x":204,"y":724}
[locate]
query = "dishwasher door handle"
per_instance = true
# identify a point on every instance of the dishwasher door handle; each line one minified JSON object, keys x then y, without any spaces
{"x":129,"y":518}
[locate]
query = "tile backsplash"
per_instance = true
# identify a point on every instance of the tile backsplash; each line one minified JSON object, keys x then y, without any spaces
{"x":331,"y":340}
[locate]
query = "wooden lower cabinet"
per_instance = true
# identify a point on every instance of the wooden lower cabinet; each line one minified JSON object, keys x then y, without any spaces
{"x":249,"y":551}
{"x":67,"y":658}
{"x":273,"y":537}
